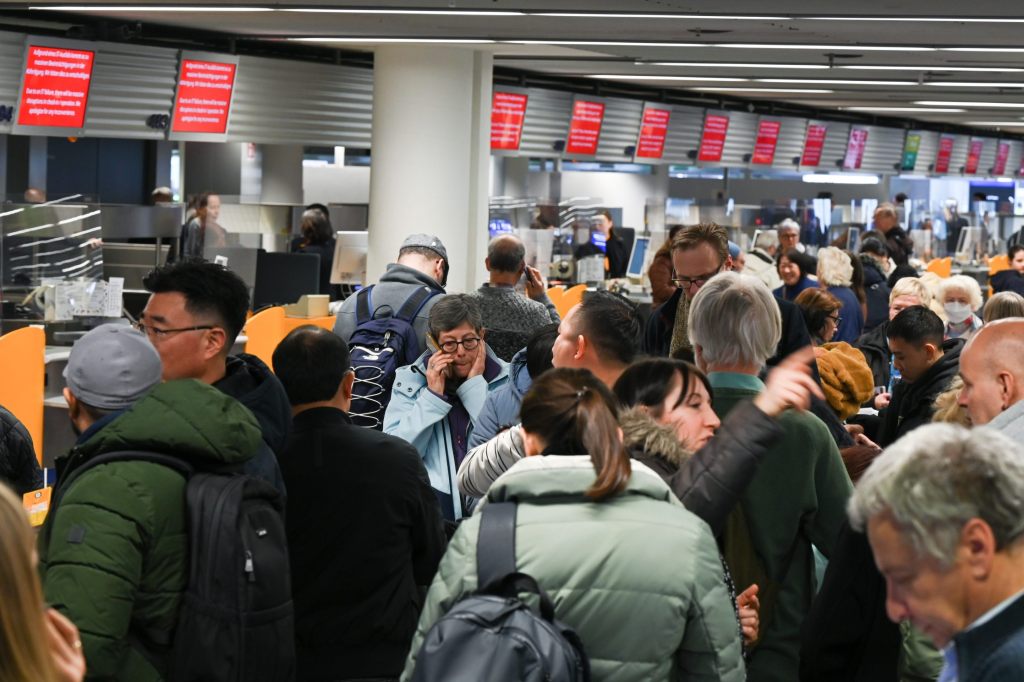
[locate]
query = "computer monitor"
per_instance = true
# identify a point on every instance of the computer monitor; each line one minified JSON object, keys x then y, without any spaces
{"x":284,"y":278}
{"x":638,"y":258}
{"x":238,"y":259}
{"x":349,"y":266}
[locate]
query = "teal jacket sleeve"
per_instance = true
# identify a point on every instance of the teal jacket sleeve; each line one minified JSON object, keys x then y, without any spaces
{"x":413,"y":410}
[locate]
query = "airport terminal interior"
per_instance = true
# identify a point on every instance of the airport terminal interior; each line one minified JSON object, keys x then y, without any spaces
{"x":511,"y":340}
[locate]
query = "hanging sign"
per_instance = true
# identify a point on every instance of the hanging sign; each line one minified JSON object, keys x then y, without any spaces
{"x":585,"y":127}
{"x":945,"y":154}
{"x":203,"y":102}
{"x":55,"y":87}
{"x":910,"y":149}
{"x":508,"y":111}
{"x":1002,"y":155}
{"x":814,"y":143}
{"x":650,"y":143}
{"x":855,"y":147}
{"x":712,"y":140}
{"x":974,"y":156}
{"x":767,"y":141}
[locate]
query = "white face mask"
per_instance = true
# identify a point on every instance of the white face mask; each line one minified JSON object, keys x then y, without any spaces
{"x":957,"y":312}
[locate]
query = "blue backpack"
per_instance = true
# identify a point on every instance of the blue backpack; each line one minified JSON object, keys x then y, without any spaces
{"x":377,"y":348}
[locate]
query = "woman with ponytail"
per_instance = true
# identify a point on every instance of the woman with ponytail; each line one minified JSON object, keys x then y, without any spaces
{"x":632,"y":572}
{"x":36,"y":644}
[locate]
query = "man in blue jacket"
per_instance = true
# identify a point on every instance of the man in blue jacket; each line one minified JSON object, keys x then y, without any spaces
{"x":436,"y":401}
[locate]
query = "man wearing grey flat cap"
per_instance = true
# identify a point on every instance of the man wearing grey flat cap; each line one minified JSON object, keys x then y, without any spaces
{"x":113,"y":551}
{"x":422,"y":266}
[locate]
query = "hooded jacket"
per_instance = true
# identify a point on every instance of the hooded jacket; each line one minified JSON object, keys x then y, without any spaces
{"x":912,"y":404}
{"x":113,"y":553}
{"x":875,"y":347}
{"x":250,"y":382}
{"x":397,"y":284}
{"x":636,"y":576}
{"x":877,"y":291}
{"x":1008,"y":280}
{"x":501,"y":409}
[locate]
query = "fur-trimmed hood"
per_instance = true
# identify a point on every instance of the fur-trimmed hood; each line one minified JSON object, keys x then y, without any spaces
{"x":646,"y":439}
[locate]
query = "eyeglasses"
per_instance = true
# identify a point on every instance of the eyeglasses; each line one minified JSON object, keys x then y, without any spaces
{"x":157,"y":334}
{"x":687,"y":282}
{"x":469,"y":344}
{"x":835,"y":318}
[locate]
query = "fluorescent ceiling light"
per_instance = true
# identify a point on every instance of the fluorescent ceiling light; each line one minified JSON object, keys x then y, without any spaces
{"x":982,"y":49}
{"x":969,"y":69}
{"x":950,"y":20}
{"x":641,"y":15}
{"x":841,"y":178}
{"x":150,"y":8}
{"x":997,"y":124}
{"x":972,"y":104}
{"x":370,"y":39}
{"x":410,"y":12}
{"x":625,"y":77}
{"x":769,"y":90}
{"x":735,"y":65}
{"x":908,"y":109}
{"x":974,"y":84}
{"x":832,"y":81}
{"x":841,"y":48}
{"x":610,"y":43}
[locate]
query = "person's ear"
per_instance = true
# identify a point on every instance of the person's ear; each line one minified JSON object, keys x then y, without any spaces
{"x":727,"y":265}
{"x":581,"y":347}
{"x":487,"y":263}
{"x":215,"y":343}
{"x":347,"y":382}
{"x":977,"y":548}
{"x":532,"y":445}
{"x":72,"y":402}
{"x":1008,"y":388}
{"x":698,"y":358}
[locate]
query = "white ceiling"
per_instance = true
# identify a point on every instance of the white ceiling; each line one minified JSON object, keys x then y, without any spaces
{"x":987,"y":42}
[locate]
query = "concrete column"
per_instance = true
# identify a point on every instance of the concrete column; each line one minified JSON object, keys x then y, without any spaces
{"x":431,"y":149}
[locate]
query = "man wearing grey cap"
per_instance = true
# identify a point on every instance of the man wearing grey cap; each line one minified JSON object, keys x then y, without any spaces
{"x":113,"y":551}
{"x":422,"y":265}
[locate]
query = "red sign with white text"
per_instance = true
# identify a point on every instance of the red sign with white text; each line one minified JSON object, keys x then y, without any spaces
{"x":814,"y":143}
{"x":653,"y":130}
{"x":944,"y":155}
{"x":712,"y":140}
{"x":585,"y":127}
{"x":974,"y":156}
{"x":855,"y":149}
{"x":767,"y":140}
{"x":508,"y":111}
{"x":1002,"y":155}
{"x":204,"y":97}
{"x":56,"y":88}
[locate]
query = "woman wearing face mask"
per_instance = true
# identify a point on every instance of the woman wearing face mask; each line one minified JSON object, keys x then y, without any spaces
{"x":961,"y":296}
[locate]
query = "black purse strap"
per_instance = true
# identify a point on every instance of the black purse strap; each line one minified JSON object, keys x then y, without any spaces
{"x":496,"y":543}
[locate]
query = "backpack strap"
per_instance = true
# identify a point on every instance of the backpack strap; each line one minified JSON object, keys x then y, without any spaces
{"x":496,"y":543}
{"x":412,"y":306}
{"x":363,"y":306}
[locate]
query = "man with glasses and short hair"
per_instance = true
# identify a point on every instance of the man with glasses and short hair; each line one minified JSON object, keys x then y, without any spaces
{"x":436,"y":400}
{"x":194,"y":314}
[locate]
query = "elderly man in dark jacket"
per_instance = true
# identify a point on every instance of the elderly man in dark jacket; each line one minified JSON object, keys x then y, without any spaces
{"x":113,"y":552}
{"x":365,"y":534}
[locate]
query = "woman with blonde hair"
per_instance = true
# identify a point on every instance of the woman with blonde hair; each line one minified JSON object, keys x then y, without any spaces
{"x":36,"y":644}
{"x":1002,"y":305}
{"x":835,"y":275}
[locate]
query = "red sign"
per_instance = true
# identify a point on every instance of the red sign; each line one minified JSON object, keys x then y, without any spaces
{"x":56,"y":87}
{"x":855,"y":148}
{"x":653,"y":130}
{"x":767,"y":139}
{"x":712,"y":141}
{"x":945,"y":153}
{"x":204,"y":97}
{"x":508,"y":111}
{"x":1002,"y":154}
{"x":974,"y":156}
{"x":814,"y":142}
{"x":585,"y":127}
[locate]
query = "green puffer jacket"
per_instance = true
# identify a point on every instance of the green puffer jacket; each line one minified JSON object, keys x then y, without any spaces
{"x":637,"y":576}
{"x":113,"y":553}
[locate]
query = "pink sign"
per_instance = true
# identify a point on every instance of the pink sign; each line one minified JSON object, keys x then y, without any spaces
{"x":814,"y":143}
{"x":767,"y":140}
{"x":1002,"y":155}
{"x":653,"y":130}
{"x":944,"y":155}
{"x":508,"y":111}
{"x":712,"y":141}
{"x":585,"y":127}
{"x":974,"y":156}
{"x":855,"y":148}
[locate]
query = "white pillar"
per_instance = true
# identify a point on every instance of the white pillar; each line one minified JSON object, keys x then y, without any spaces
{"x":431,"y":149}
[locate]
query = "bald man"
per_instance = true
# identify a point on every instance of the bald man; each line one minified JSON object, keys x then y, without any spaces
{"x":992,"y":368}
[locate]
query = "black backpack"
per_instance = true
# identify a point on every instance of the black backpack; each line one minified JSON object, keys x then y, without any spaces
{"x":492,"y":635}
{"x":377,"y":348}
{"x":236,"y":620}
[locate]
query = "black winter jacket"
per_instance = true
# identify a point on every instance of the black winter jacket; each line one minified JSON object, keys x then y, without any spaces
{"x":19,"y":467}
{"x":875,"y":347}
{"x":1008,"y":280}
{"x":912,"y":405}
{"x":877,"y":290}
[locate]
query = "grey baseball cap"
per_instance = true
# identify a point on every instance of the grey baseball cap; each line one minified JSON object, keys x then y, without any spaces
{"x":112,"y":366}
{"x":426,"y":241}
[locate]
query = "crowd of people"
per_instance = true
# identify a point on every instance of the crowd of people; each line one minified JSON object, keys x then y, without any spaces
{"x":746,"y":483}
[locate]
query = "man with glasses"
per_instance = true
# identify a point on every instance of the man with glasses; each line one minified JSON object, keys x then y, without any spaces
{"x":195,"y":313}
{"x":436,"y":400}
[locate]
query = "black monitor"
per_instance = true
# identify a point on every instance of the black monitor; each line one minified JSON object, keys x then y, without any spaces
{"x":284,"y":278}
